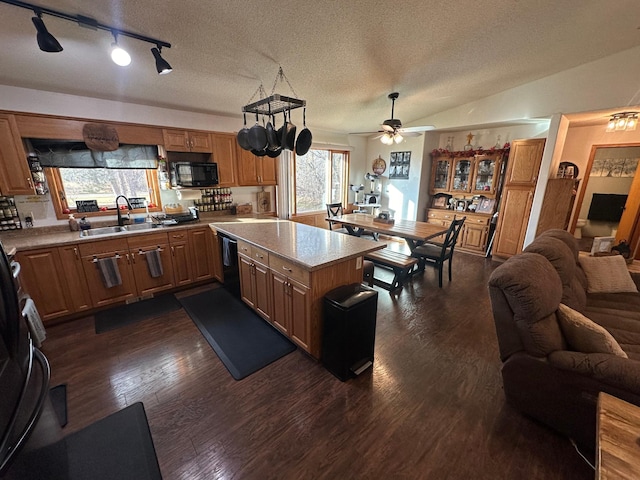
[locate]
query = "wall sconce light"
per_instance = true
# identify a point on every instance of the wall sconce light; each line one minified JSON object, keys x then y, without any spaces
{"x":623,"y":121}
{"x":48,"y":43}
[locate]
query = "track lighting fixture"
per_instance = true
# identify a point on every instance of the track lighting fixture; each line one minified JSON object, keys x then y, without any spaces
{"x":48,"y":43}
{"x":162,"y":65}
{"x":118,"y":54}
{"x":623,"y":121}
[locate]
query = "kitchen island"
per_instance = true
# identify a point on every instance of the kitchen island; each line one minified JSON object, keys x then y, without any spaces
{"x":286,"y":268}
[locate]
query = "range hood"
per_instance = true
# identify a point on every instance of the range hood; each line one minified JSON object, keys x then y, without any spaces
{"x":75,"y":154}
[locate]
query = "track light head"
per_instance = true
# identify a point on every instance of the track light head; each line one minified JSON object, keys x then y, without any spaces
{"x":46,"y":41}
{"x":162,"y":66}
{"x":118,"y":54}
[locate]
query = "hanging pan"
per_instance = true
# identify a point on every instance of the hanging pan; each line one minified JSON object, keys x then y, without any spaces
{"x":290,"y":135}
{"x":273,"y":153}
{"x":280,"y":133}
{"x":303,"y":143}
{"x":243,"y":135}
{"x":272,"y":136}
{"x":258,"y":136}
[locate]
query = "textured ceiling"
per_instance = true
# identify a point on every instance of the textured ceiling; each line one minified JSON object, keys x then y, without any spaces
{"x":343,"y":58}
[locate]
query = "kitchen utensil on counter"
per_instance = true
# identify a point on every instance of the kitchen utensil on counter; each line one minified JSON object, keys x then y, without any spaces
{"x":303,"y":143}
{"x":243,"y":135}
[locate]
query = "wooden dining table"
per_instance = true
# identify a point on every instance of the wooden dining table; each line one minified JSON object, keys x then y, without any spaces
{"x":415,"y":233}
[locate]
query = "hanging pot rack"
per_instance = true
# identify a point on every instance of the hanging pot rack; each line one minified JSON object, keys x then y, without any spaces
{"x":274,"y":103}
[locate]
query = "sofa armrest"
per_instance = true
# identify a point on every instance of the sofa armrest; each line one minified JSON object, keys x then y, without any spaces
{"x":636,"y":279}
{"x":616,"y":371}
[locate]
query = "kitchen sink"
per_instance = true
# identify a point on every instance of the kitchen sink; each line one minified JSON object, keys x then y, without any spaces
{"x":96,"y":232}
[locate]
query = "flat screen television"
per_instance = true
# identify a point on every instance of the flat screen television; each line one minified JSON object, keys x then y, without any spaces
{"x":607,"y":207}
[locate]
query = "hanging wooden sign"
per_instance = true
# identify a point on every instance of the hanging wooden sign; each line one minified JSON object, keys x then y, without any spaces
{"x":100,"y":137}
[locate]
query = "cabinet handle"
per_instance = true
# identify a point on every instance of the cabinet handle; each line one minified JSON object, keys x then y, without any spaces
{"x":173,"y":251}
{"x":75,"y":252}
{"x":30,"y":182}
{"x":261,"y":257}
{"x":287,"y":269}
{"x":259,"y":179}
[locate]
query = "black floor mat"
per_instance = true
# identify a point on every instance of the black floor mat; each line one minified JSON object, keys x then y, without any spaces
{"x":123,"y":315}
{"x":244,"y":342}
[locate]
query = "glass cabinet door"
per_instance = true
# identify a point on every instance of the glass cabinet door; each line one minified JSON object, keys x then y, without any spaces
{"x":461,"y":181}
{"x":486,"y":174}
{"x":441,"y":174}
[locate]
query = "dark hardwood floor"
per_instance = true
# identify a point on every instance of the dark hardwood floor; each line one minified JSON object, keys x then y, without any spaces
{"x":432,"y":406}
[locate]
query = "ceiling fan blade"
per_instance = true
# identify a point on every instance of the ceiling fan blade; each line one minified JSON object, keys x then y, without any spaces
{"x":363,"y":133}
{"x":423,"y":128}
{"x":409,"y":134}
{"x":387,"y":128}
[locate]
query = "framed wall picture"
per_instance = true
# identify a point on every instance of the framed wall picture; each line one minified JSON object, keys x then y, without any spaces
{"x":399,"y":165}
{"x":485,"y":205}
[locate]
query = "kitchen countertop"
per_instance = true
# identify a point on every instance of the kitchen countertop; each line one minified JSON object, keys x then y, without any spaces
{"x":310,"y":247}
{"x":30,"y":238}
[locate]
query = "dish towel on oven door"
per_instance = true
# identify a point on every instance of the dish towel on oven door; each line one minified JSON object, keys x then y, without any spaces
{"x":109,"y":271}
{"x":30,"y":313}
{"x":154,"y":263}
{"x":227,"y":256}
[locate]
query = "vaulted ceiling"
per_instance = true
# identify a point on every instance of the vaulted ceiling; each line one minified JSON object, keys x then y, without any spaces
{"x":343,"y":58}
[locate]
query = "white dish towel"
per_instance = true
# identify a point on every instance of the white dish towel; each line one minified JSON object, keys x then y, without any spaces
{"x":36,"y":327}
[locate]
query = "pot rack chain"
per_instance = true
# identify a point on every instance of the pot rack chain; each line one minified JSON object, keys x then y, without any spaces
{"x":275,"y":103}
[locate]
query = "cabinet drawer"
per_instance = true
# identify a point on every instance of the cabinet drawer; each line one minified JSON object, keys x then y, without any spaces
{"x":289,"y":269}
{"x":441,"y":215}
{"x":477,"y":220}
{"x":259,"y":255}
{"x":244,"y":248}
{"x":104,"y":246}
{"x":179,"y":236}
{"x":147,"y":240}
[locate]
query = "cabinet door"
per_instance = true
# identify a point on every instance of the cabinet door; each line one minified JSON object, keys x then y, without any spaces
{"x":262,"y":296}
{"x":440,"y":174}
{"x":176,"y":140}
{"x":247,"y":167}
{"x":218,"y":268}
{"x":200,"y":142}
{"x":485,"y":175}
{"x":224,"y":154}
{"x":42,"y":278}
{"x":246,"y":280}
{"x":74,"y":276}
{"x":15,"y":177}
{"x":100,"y":294}
{"x":147,"y":284}
{"x":201,"y":247}
{"x":513,"y":220}
{"x":524,"y":162}
{"x":300,"y":314}
{"x":474,"y":237}
{"x":281,"y":306}
{"x":267,"y":174}
{"x":461,"y":177}
{"x":181,"y":257}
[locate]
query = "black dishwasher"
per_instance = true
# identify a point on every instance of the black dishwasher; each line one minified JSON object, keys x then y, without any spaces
{"x":230,"y":267}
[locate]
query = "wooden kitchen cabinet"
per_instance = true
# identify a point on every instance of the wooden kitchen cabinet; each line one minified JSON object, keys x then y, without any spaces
{"x":485,"y":174}
{"x":461,"y":175}
{"x":186,"y":141}
{"x":254,"y":170}
{"x":139,"y":247}
{"x":255,"y":280}
{"x":216,"y":247}
{"x":181,"y":257}
{"x":74,"y":276}
{"x":201,"y":253}
{"x":291,"y":301}
{"x":43,"y":278}
{"x":15,"y":176}
{"x":441,"y":174}
{"x":475,"y":230}
{"x":225,"y":155}
{"x":90,"y":253}
{"x":557,"y":204}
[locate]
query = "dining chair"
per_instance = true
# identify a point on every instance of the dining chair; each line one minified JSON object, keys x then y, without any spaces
{"x":439,"y":253}
{"x":335,"y":210}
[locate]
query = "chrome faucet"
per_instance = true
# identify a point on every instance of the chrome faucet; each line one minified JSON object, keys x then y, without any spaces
{"x":120,"y":219}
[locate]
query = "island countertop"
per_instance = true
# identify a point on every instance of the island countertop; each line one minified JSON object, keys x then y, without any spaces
{"x":310,"y":247}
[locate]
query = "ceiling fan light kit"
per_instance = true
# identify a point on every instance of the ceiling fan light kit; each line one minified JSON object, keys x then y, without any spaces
{"x":48,"y":43}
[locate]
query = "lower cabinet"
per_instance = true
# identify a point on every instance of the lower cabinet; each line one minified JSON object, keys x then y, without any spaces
{"x":201,"y":253}
{"x":291,"y":307}
{"x":475,"y":231}
{"x":53,"y":277}
{"x":181,"y":255}
{"x":139,"y":249}
{"x":255,"y":284}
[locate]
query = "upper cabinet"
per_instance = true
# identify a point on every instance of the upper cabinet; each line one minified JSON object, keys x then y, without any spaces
{"x":458,"y":174}
{"x":15,"y":177}
{"x":224,"y":154}
{"x":254,"y":170}
{"x":187,"y":141}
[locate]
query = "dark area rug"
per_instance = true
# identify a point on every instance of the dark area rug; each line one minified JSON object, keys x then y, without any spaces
{"x":58,"y":397}
{"x":244,"y":342}
{"x":123,"y":315}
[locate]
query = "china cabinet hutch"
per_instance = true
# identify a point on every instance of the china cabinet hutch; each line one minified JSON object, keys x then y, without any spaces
{"x":468,"y":180}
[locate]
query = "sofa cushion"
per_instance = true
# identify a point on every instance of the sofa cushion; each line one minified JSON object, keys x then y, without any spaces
{"x":563,"y":259}
{"x":607,"y":274}
{"x":584,"y":335}
{"x":568,"y":239}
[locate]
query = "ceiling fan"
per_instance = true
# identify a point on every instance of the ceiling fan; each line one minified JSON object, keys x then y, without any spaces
{"x":391,"y":129}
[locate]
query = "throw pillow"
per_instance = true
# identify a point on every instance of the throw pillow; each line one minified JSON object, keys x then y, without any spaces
{"x":607,"y":274}
{"x":584,"y":335}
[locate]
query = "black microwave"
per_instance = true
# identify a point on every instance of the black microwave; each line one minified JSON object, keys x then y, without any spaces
{"x":197,"y":175}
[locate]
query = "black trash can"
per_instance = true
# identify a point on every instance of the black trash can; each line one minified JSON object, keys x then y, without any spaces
{"x":349,"y":330}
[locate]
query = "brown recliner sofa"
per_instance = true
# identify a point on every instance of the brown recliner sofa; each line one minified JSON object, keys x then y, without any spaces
{"x":542,"y":376}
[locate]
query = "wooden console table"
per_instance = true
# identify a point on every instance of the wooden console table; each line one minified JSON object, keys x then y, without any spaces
{"x":618,"y":439}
